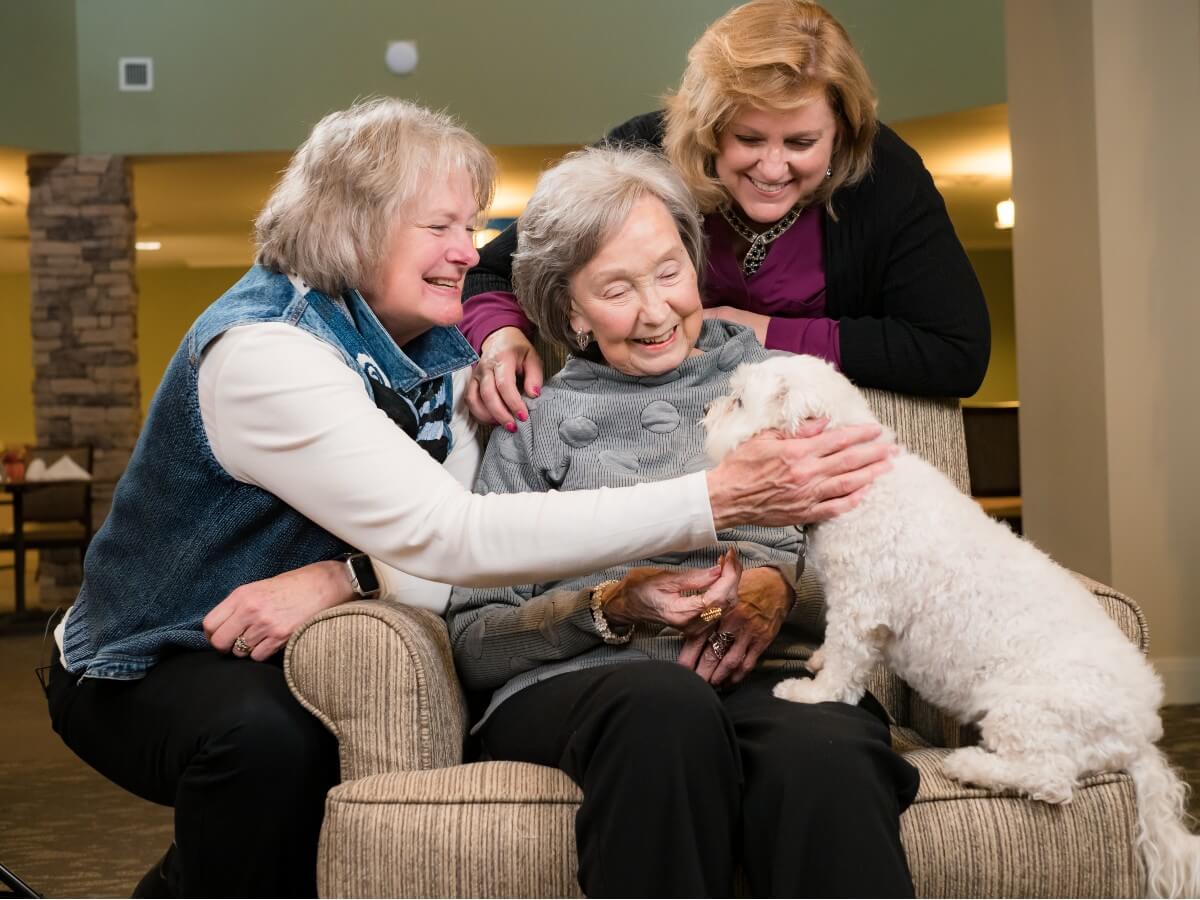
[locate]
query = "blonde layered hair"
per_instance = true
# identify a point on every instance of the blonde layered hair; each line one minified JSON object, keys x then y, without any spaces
{"x":331,"y":214}
{"x":772,"y":55}
{"x":577,"y":206}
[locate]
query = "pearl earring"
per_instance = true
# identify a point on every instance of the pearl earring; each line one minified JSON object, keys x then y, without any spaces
{"x":829,"y":172}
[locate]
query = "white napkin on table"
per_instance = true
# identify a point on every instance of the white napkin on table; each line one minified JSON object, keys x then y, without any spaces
{"x":64,"y":469}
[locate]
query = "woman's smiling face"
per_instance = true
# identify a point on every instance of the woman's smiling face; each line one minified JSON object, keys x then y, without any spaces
{"x":638,"y":295}
{"x":770,"y":160}
{"x":430,"y":249}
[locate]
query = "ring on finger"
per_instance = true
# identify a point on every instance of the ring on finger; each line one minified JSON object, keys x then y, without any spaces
{"x":240,"y":647}
{"x":710,"y":614}
{"x":720,"y":643}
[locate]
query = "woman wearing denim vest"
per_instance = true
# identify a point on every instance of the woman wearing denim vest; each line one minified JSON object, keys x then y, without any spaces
{"x":315,"y":412}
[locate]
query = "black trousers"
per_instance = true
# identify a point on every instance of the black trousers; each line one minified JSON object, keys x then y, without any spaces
{"x":223,"y":741}
{"x":681,"y":784}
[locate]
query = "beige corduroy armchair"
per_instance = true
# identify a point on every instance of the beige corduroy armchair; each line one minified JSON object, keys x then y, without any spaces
{"x":411,"y":819}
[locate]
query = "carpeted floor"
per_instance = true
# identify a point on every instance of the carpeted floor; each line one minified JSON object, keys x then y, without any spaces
{"x":64,"y":829}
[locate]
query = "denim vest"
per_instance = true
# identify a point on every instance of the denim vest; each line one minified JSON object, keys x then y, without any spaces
{"x":182,"y":533}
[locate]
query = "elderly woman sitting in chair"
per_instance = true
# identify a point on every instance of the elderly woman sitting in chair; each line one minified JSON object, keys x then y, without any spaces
{"x":640,"y":681}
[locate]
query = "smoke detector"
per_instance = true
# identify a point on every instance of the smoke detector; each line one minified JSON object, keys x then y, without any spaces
{"x":136,"y":73}
{"x":401,"y":57}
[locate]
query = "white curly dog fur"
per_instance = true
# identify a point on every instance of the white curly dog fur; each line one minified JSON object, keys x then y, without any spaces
{"x":975,"y":619}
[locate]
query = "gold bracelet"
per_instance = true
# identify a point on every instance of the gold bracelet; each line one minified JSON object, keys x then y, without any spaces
{"x":600,"y":595}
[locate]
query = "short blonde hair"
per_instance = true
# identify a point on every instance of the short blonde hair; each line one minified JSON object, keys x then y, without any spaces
{"x":329,"y":218}
{"x":577,"y":206}
{"x":773,"y":55}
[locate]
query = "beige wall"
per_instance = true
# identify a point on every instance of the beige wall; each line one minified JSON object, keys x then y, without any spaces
{"x":170,"y":300}
{"x":1106,"y":135}
{"x":16,"y":360}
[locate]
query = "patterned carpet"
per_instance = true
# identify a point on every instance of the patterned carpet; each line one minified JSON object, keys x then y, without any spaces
{"x":70,"y":833}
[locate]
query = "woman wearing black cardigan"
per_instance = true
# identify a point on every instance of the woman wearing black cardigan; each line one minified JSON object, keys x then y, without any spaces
{"x":826,"y":233}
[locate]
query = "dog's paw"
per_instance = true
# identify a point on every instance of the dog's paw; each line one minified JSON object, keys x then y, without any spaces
{"x":817,"y":661}
{"x":802,"y":690}
{"x":971,"y":765}
{"x":1033,"y":777}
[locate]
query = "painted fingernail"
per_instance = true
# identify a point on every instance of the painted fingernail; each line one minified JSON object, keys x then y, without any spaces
{"x":537,"y":391}
{"x":522,"y":417}
{"x":511,"y":427}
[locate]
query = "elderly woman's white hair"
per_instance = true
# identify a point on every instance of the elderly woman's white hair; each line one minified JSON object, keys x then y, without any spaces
{"x":329,"y":218}
{"x":575,"y":208}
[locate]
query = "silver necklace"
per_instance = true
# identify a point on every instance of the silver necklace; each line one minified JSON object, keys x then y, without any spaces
{"x":758,"y":242}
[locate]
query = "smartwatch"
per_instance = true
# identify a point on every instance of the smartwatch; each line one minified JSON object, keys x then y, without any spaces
{"x":363,"y":579}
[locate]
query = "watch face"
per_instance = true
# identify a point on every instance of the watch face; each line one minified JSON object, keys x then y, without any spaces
{"x":368,"y":583}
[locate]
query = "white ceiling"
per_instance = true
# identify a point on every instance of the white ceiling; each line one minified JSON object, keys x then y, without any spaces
{"x":202,"y":207}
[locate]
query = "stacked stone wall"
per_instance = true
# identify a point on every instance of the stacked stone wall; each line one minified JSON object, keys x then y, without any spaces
{"x":84,"y":322}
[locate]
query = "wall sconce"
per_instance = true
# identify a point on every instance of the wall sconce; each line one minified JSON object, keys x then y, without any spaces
{"x":1006,"y":214}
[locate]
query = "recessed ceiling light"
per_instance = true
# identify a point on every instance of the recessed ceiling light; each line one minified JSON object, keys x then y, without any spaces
{"x":148,"y":245}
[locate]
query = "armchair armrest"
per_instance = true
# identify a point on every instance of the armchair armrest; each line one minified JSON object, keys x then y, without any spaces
{"x":941,"y":730}
{"x":380,"y":676}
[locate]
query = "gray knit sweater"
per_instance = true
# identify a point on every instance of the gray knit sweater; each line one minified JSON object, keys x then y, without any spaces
{"x":594,"y":426}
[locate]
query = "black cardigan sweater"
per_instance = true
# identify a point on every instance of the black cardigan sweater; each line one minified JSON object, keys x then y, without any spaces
{"x":911,"y":314}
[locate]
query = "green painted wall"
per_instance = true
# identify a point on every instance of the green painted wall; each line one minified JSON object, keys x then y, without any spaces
{"x":995,"y":273}
{"x":39,"y":85}
{"x":235,"y":75}
{"x":928,"y":56}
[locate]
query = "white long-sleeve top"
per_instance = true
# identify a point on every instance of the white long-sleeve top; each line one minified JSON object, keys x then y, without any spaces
{"x":282,"y":410}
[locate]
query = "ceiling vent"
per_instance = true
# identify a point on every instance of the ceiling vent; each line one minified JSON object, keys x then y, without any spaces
{"x":136,"y":73}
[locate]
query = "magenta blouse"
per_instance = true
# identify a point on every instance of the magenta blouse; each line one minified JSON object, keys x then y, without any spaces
{"x":789,"y":287}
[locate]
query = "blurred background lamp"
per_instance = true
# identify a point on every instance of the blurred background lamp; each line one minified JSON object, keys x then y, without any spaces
{"x":148,"y":245}
{"x":484,"y":235}
{"x":1006,"y":214}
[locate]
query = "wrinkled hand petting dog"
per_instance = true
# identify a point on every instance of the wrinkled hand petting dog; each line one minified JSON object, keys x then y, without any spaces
{"x":975,"y":619}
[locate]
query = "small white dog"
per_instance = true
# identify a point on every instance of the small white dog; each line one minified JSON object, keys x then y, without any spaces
{"x":975,"y":619}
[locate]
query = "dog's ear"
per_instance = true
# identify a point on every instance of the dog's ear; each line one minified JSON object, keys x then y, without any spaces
{"x":795,"y":401}
{"x":814,"y":389}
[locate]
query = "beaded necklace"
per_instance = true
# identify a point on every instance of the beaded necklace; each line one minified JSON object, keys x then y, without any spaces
{"x":758,"y":242}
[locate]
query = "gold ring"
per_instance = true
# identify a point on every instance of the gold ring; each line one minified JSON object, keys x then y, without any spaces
{"x":710,"y":614}
{"x":240,"y":646}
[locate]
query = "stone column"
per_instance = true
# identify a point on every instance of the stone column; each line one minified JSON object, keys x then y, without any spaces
{"x":84,"y":318}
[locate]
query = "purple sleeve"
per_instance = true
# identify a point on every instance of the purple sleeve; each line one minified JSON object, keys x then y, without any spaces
{"x":489,"y":312}
{"x":816,"y":337}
